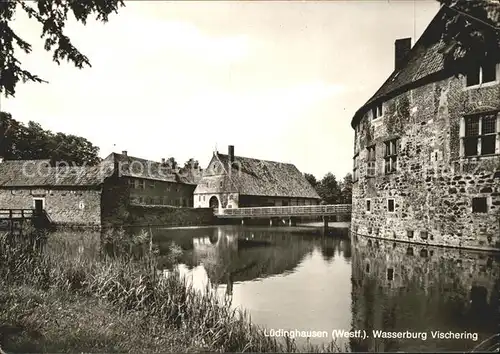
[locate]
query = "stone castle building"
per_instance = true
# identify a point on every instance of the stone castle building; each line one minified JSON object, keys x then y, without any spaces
{"x":122,"y":189}
{"x":427,"y":148}
{"x":155,"y":183}
{"x":232,"y":181}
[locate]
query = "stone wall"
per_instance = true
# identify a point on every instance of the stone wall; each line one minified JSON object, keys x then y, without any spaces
{"x":140,"y":215}
{"x":115,"y":201}
{"x":65,"y":207}
{"x":399,"y":286}
{"x":160,"y":192}
{"x":433,"y":186}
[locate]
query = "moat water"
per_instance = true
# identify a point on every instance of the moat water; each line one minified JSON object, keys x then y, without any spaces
{"x":291,"y":279}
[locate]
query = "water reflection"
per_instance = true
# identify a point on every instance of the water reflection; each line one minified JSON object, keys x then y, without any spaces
{"x":237,"y":254}
{"x":396,"y":287}
{"x":288,"y":280}
{"x":284,"y":279}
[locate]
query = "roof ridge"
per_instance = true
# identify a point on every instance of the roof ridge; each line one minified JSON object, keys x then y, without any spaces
{"x":263,"y":160}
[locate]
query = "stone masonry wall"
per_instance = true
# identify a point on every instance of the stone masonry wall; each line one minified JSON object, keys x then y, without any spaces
{"x":433,"y":187}
{"x":169,"y":216}
{"x":64,"y":207}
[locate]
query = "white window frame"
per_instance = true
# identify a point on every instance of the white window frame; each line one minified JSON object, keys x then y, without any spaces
{"x":368,"y":211}
{"x":39,"y":198}
{"x":371,"y":165}
{"x":377,"y":111}
{"x":355,"y":170}
{"x":393,"y":145}
{"x":481,"y":83}
{"x":479,"y":136}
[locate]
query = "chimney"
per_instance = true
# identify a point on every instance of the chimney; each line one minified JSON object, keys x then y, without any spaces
{"x":124,"y":152}
{"x":230,"y":152}
{"x":163,"y":161}
{"x":402,"y":48}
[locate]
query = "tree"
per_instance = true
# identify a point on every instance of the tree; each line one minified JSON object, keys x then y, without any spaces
{"x":311,"y":179}
{"x":52,"y":15}
{"x":328,"y":189}
{"x":172,"y":163}
{"x":346,"y":189}
{"x":191,"y":170}
{"x":191,"y":164}
{"x":469,"y":31}
{"x":32,"y":142}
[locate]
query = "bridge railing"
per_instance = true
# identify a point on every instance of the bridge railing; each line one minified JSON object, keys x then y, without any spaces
{"x":288,"y":210}
{"x":12,"y":214}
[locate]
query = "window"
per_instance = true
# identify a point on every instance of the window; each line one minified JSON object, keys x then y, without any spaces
{"x":378,"y":111}
{"x":140,"y":184}
{"x":481,"y":74}
{"x":203,"y":198}
{"x":355,"y":170}
{"x":390,"y":205}
{"x":391,"y":156}
{"x":480,"y":135}
{"x":370,"y":171}
{"x":368,"y":205}
{"x":479,"y":205}
{"x":199,"y":198}
{"x":151,"y":184}
{"x":131,"y":182}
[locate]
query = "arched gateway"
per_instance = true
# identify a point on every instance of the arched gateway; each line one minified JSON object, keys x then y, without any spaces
{"x":214,"y":202}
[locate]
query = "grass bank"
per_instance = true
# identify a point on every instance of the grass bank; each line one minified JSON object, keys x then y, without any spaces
{"x":63,"y":293}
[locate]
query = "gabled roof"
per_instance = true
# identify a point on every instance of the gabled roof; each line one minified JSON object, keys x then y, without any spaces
{"x":255,"y":177}
{"x":39,"y":173}
{"x":131,"y":166}
{"x":424,"y":59}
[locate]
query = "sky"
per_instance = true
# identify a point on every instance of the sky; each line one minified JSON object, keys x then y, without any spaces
{"x":279,"y":80}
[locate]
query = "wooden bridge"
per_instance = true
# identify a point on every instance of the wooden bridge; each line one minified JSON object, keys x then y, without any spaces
{"x":11,"y":219}
{"x":285,"y":211}
{"x":16,"y":214}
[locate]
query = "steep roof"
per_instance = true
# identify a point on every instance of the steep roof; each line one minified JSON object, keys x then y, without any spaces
{"x":141,"y":168}
{"x":39,"y":173}
{"x":424,"y":60}
{"x":256,"y":177}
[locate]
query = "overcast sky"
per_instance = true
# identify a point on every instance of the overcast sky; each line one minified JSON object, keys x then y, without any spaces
{"x":279,"y":80}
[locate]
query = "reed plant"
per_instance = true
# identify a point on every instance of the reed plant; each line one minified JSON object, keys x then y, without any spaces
{"x":117,"y":273}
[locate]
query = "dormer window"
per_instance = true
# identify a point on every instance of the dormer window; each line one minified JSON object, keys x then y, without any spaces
{"x":481,"y":74}
{"x":378,"y":111}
